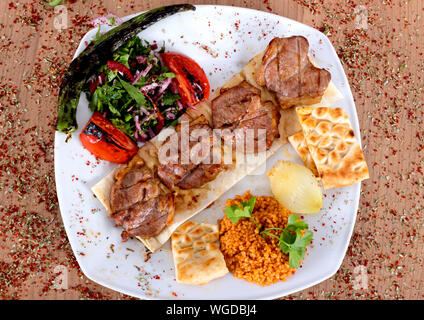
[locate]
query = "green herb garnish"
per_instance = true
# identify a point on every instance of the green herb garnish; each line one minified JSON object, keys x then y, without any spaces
{"x":133,"y":92}
{"x":96,"y":55}
{"x":97,"y":36}
{"x":165,"y":75}
{"x":120,"y":99}
{"x":53,"y":3}
{"x":291,"y":241}
{"x":111,"y":21}
{"x":243,"y":210}
{"x":170,"y":98}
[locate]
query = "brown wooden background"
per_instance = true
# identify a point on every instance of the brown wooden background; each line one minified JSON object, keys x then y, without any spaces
{"x":383,"y":58}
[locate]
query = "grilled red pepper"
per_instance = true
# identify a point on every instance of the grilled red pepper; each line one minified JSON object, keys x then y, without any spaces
{"x":105,"y":141}
{"x":193,"y":85}
{"x":116,"y":66}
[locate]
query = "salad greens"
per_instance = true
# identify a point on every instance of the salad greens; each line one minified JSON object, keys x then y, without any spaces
{"x":292,"y":240}
{"x":136,"y":104}
{"x":134,"y":93}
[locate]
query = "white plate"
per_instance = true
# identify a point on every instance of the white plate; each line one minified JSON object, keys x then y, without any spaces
{"x":222,"y":40}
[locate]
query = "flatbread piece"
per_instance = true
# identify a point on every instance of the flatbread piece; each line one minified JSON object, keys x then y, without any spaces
{"x":298,"y":142}
{"x":195,"y":249}
{"x":333,"y":146}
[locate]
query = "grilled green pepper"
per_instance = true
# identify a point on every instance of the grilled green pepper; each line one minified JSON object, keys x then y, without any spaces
{"x":96,"y":54}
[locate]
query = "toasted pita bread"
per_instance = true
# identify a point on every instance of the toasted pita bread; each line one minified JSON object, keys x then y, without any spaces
{"x":195,"y":249}
{"x":333,"y":146}
{"x":298,"y":142}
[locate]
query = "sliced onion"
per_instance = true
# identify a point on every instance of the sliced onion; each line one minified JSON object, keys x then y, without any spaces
{"x":163,"y":86}
{"x":151,"y":133}
{"x":149,"y":87}
{"x":170,"y":115}
{"x":137,"y":123}
{"x":137,"y":77}
{"x":141,"y":59}
{"x":143,"y":110}
{"x":180,"y":105}
{"x":191,"y":106}
{"x":169,"y":109}
{"x":295,"y":187}
{"x":143,"y":137}
{"x":146,"y":71}
{"x":158,"y":56}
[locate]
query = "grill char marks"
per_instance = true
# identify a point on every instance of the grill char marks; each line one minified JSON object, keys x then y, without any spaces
{"x":287,"y":71}
{"x":200,"y":175}
{"x":232,"y":104}
{"x":266,"y":119}
{"x":172,"y":171}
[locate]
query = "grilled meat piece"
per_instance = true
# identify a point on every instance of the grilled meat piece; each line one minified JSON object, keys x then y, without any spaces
{"x":137,"y":203}
{"x":148,"y":218}
{"x":188,"y":163}
{"x":180,"y":164}
{"x":172,"y":173}
{"x":287,"y":71}
{"x":231,"y":105}
{"x":133,"y":185}
{"x":134,"y":175}
{"x":251,"y":115}
{"x":265,"y":119}
{"x":200,"y":175}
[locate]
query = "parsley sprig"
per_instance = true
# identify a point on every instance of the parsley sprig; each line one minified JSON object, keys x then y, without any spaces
{"x":292,"y":240}
{"x":243,"y":210}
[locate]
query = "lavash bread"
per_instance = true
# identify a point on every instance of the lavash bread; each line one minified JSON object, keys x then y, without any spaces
{"x":298,"y":142}
{"x":333,"y":146}
{"x":196,"y":254}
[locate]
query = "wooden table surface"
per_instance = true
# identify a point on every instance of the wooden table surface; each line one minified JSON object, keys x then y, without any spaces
{"x":380,"y":44}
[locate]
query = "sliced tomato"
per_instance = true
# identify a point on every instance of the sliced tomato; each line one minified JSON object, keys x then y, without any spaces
{"x":193,"y":84}
{"x":107,"y":142}
{"x":116,"y":66}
